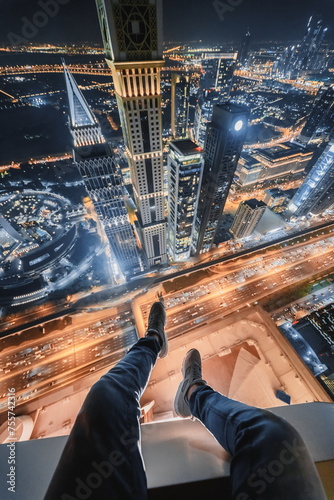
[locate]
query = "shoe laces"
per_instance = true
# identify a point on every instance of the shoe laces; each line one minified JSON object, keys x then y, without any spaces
{"x":196,"y":370}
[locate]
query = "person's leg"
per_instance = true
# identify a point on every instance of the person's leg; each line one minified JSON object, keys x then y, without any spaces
{"x":269,"y":458}
{"x":102,"y":457}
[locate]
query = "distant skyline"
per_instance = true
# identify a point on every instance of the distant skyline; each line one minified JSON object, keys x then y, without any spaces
{"x":184,"y":21}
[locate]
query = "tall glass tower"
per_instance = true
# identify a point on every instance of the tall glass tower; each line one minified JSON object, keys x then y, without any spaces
{"x":180,"y":105}
{"x":214,"y":88}
{"x":132,"y":36}
{"x":244,"y":49}
{"x":224,"y":142}
{"x":322,"y":115}
{"x":185,"y":169}
{"x":103,"y":179}
{"x":316,"y":194}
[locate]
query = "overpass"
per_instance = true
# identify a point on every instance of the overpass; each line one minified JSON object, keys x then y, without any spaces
{"x":86,"y":69}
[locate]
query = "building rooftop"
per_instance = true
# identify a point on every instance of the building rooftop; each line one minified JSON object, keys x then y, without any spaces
{"x":232,"y":108}
{"x":92,"y":151}
{"x":186,"y":147}
{"x":250,"y":161}
{"x":275,"y":192}
{"x":254,"y":203}
{"x":281,"y":151}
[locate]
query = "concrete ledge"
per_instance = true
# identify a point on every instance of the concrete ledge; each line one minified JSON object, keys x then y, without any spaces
{"x":175,"y":451}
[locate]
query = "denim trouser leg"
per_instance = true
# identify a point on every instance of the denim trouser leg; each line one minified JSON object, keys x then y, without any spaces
{"x":269,"y":458}
{"x":102,"y":458}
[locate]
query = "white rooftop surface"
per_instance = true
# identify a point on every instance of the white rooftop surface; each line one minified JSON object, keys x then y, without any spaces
{"x":175,"y":451}
{"x":270,"y":222}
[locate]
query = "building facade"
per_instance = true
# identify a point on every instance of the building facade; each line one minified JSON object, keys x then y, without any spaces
{"x":248,"y":171}
{"x":247,"y":218}
{"x":244,"y":49}
{"x":214,"y":88}
{"x":275,"y":199}
{"x":264,"y":165}
{"x":180,"y":105}
{"x":185,"y":169}
{"x":321,"y":119}
{"x":103,"y":180}
{"x":224,"y":142}
{"x":132,"y":37}
{"x":316,"y":194}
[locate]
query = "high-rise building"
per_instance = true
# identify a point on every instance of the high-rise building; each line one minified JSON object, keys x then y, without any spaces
{"x":218,"y":70}
{"x":322,"y":115}
{"x":307,"y":56}
{"x":244,"y":49}
{"x":225,"y":138}
{"x":316,"y":194}
{"x":185,"y":169}
{"x":309,"y":51}
{"x":275,"y":198}
{"x":282,"y":65}
{"x":203,"y":115}
{"x":103,"y":179}
{"x":214,"y":88}
{"x":132,"y":36}
{"x":284,"y":160}
{"x":180,"y":105}
{"x":247,"y":218}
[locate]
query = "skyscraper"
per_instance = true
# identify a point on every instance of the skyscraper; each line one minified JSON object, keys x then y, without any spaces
{"x":248,"y":216}
{"x":322,"y":115}
{"x":102,"y":177}
{"x":218,"y":70}
{"x":244,"y":49}
{"x":225,"y":138}
{"x":180,"y":105}
{"x":132,"y":36}
{"x":309,"y":51}
{"x":316,"y":194}
{"x":185,"y":169}
{"x":214,"y":88}
{"x":307,"y":57}
{"x":203,"y":115}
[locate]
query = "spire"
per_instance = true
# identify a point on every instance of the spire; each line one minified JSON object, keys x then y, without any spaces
{"x":80,"y":113}
{"x":84,"y":127}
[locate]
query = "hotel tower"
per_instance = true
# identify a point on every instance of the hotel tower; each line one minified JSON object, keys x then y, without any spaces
{"x":132,"y":37}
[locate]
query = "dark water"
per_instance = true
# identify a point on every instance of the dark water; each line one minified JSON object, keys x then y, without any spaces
{"x":29,"y":59}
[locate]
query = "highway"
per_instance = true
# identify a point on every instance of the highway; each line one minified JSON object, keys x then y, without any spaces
{"x":241,"y":283}
{"x":60,"y":358}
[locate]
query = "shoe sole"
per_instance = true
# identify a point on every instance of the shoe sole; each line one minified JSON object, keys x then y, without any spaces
{"x":180,"y":406}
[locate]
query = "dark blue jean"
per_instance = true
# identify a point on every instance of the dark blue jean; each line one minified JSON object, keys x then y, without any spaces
{"x":102,"y":458}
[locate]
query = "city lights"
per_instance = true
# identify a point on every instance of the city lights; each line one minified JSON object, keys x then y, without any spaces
{"x":181,"y":151}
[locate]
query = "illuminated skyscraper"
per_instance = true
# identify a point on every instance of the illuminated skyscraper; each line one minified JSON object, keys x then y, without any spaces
{"x":132,"y":36}
{"x":316,"y":194}
{"x":322,"y":115}
{"x":309,"y":51}
{"x":185,"y":169}
{"x":203,"y":115}
{"x":307,"y":56}
{"x":214,"y":88}
{"x":244,"y":49}
{"x":180,"y":105}
{"x":102,"y":177}
{"x":225,"y":138}
{"x":247,"y":218}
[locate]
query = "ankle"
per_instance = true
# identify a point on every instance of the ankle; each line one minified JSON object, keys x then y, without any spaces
{"x":191,"y":390}
{"x":154,"y":336}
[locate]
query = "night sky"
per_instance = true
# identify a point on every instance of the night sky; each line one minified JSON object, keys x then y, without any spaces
{"x":184,"y":20}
